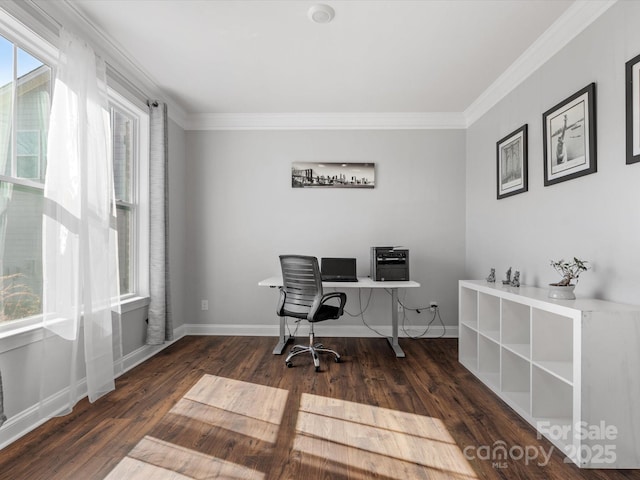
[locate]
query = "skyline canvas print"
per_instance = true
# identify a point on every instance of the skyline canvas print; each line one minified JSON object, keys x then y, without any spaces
{"x":332,"y":175}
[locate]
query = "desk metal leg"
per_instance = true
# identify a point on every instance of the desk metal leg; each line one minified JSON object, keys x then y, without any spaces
{"x":282,"y":340}
{"x":393,"y":341}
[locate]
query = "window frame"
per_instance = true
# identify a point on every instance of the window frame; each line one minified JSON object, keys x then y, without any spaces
{"x":139,"y":203}
{"x":27,"y":40}
{"x":23,"y":39}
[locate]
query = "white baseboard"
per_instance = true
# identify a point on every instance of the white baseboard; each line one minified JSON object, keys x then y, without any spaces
{"x":324,"y":330}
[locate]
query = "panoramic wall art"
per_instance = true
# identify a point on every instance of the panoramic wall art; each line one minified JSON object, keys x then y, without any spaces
{"x":512,"y":166}
{"x":332,"y":175}
{"x":632,"y":81}
{"x":569,"y":134}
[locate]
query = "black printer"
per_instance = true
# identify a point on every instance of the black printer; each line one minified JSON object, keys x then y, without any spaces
{"x":389,"y":264}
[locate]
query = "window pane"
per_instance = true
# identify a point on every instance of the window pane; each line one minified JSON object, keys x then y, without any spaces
{"x":6,"y":102}
{"x":28,"y":154}
{"x":124,"y":249}
{"x":20,"y":251}
{"x":123,"y":129}
{"x":6,"y":61}
{"x":32,"y":112}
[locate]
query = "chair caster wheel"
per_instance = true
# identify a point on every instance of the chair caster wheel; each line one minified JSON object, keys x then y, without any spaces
{"x":289,"y":364}
{"x":317,"y":369}
{"x":337,"y":359}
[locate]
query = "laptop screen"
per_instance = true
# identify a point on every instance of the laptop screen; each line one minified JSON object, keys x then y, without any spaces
{"x":338,"y":269}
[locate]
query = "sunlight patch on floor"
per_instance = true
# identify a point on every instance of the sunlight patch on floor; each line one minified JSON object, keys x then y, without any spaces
{"x":157,"y":459}
{"x":333,"y":436}
{"x":245,"y":408}
{"x":133,"y":469}
{"x":381,"y":441}
{"x":249,"y":399}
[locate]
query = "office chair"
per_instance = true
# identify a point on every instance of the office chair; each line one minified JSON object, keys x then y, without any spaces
{"x":301,"y":297}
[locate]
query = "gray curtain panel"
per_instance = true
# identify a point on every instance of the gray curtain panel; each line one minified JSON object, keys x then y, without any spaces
{"x":3,"y":417}
{"x":160,"y":328}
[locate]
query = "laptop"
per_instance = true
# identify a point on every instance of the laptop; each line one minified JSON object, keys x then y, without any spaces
{"x":338,"y":269}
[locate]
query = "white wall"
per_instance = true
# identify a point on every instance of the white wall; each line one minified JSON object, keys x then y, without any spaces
{"x":242,"y":213}
{"x":596,"y":217}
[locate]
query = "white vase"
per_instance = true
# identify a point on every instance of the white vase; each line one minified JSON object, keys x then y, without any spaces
{"x":562,"y":292}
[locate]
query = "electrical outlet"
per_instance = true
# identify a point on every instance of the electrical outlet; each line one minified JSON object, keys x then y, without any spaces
{"x":204,"y":305}
{"x":433,"y":306}
{"x":399,"y":308}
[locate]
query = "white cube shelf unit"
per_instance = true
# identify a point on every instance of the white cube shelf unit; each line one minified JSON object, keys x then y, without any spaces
{"x":571,"y":368}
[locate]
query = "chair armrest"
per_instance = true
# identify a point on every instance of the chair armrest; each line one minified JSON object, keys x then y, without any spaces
{"x":339,"y":295}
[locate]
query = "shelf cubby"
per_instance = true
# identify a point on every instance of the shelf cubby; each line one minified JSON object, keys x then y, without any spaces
{"x":469,"y":308}
{"x":552,"y":343}
{"x":468,"y":348}
{"x":489,"y":361}
{"x":516,"y":328}
{"x":552,"y":406}
{"x":516,"y":380}
{"x":489,"y":316}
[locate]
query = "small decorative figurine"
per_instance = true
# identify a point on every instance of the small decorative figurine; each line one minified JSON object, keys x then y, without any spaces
{"x":516,"y":279}
{"x":507,"y":281}
{"x":492,"y":276}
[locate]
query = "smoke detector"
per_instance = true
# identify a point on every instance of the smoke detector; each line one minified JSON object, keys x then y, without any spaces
{"x":321,"y":13}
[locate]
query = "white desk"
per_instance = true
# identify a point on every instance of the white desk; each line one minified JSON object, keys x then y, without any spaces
{"x":363,"y":282}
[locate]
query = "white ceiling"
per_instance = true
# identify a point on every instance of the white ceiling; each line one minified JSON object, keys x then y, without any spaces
{"x":265,"y":56}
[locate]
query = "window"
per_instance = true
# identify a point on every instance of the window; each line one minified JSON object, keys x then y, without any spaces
{"x":25,"y":100}
{"x":129,"y":124}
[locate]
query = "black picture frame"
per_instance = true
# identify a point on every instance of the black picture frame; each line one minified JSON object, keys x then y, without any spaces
{"x":512,"y":164}
{"x":569,"y":135}
{"x":632,"y":97}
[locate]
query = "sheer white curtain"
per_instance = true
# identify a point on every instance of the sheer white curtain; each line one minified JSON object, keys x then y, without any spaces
{"x":80,"y":262}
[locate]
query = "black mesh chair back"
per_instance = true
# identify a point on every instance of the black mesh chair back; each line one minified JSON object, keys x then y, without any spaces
{"x":302,"y":286}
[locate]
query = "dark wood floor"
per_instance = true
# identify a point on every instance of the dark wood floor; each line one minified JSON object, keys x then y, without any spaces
{"x":428,"y":384}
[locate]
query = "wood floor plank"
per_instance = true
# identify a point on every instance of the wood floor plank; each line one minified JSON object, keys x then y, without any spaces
{"x":225,"y":407}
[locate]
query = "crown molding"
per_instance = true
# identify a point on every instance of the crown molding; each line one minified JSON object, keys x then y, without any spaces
{"x":130,"y":76}
{"x":325,"y":121}
{"x":568,"y":26}
{"x":574,"y":20}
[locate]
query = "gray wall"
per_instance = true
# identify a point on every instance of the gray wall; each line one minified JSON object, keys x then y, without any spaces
{"x":242,"y":213}
{"x":178,"y":189}
{"x":595,"y":217}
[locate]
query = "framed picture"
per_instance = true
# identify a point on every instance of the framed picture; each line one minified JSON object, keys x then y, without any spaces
{"x":632,"y":81}
{"x":512,"y":163}
{"x":332,"y":175}
{"x":569,"y":133}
